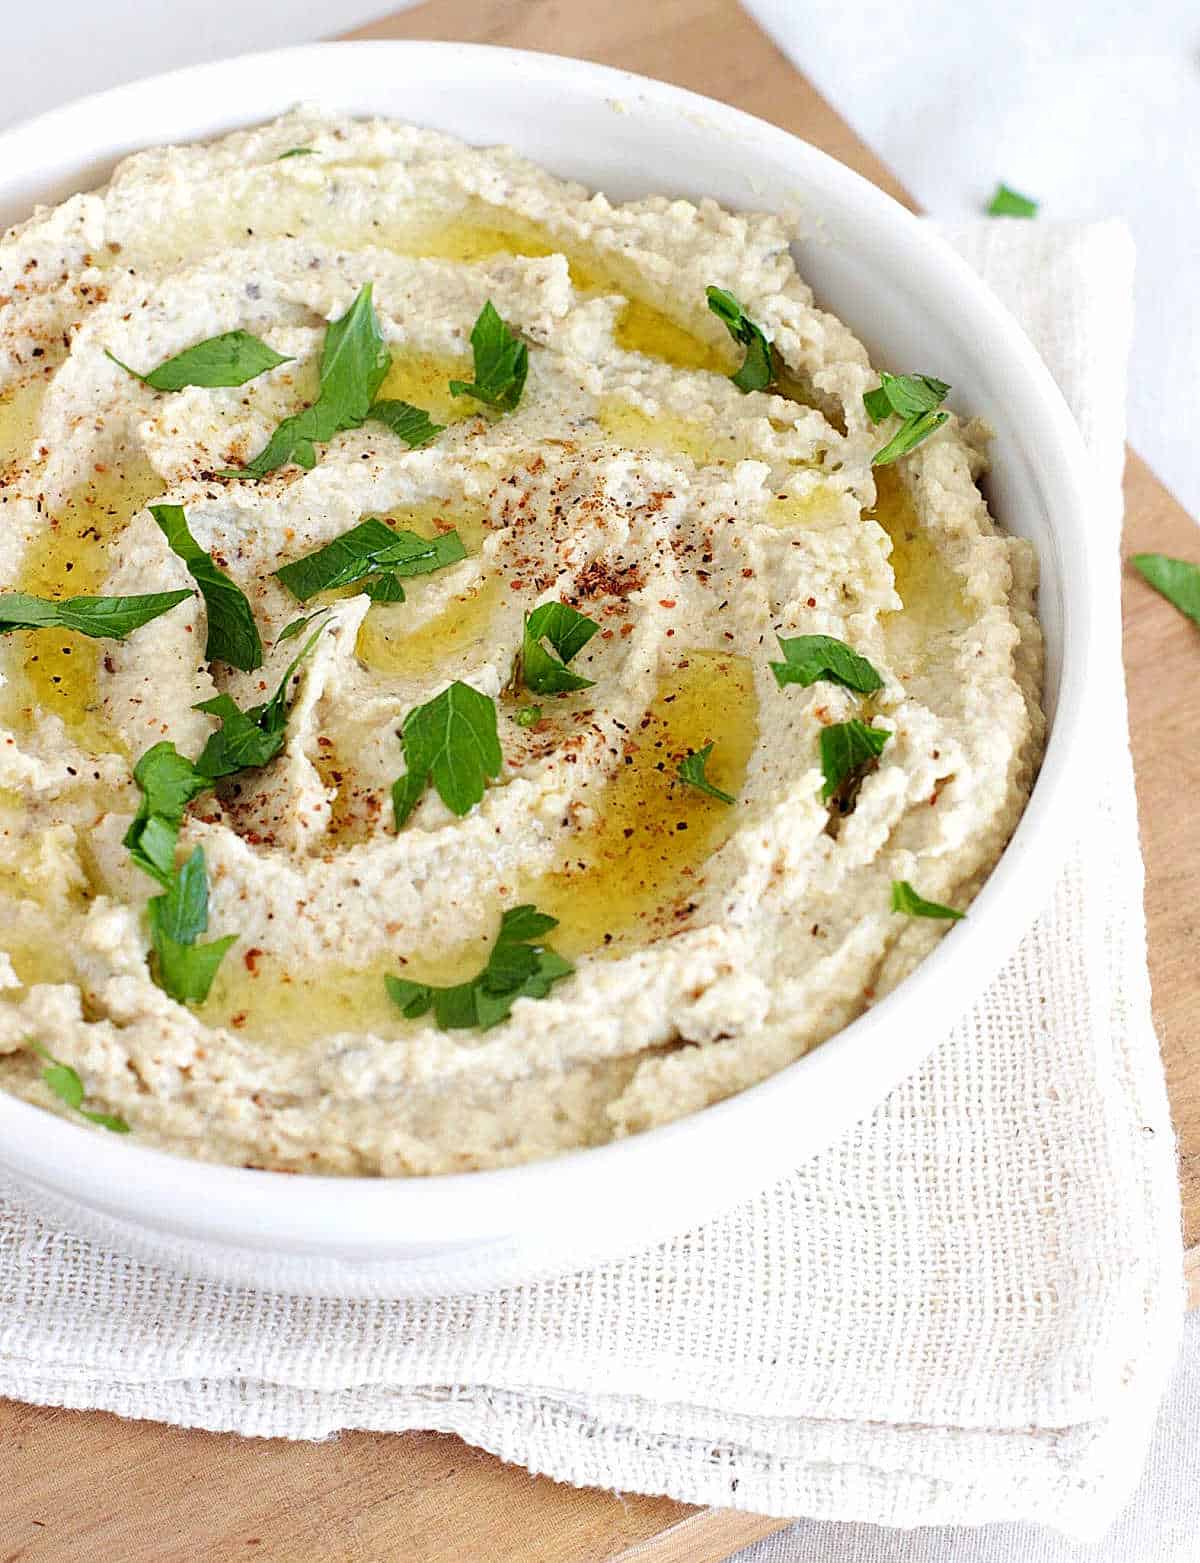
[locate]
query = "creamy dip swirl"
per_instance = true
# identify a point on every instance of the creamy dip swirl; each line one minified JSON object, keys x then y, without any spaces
{"x":712,"y":944}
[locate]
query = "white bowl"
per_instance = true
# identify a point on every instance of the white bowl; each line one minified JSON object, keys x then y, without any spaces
{"x":916,"y":305}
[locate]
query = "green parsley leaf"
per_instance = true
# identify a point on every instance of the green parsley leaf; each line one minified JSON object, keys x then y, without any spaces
{"x":904,"y":394}
{"x":65,"y":1083}
{"x":523,"y":923}
{"x":355,"y":360}
{"x":177,"y":919}
{"x":411,"y":424}
{"x":411,"y":554}
{"x":229,"y":359}
{"x":518,"y":967}
{"x":68,"y":1087}
{"x":528,"y":716}
{"x":812,"y":657}
{"x":61,"y":1078}
{"x":339,"y":563}
{"x":450,"y":740}
{"x":240,"y":743}
{"x":384,"y":588}
{"x":273,"y":712}
{"x":1177,"y":579}
{"x":847,"y":750}
{"x":910,"y":434}
{"x":354,"y":363}
{"x":1007,"y":203}
{"x":368,"y":549}
{"x":692,"y":770}
{"x":168,"y":782}
{"x":905,"y":899}
{"x":501,"y":363}
{"x":758,"y":368}
{"x":913,"y":397}
{"x":293,"y":441}
{"x":298,"y":626}
{"x":113,"y":1122}
{"x":186,"y":971}
{"x":247,"y":739}
{"x":568,"y":632}
{"x":297,"y":152}
{"x":182,"y":912}
{"x":232,"y":633}
{"x":103,"y":618}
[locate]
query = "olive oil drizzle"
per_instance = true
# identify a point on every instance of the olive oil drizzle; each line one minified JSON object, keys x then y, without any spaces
{"x":926,"y":584}
{"x":630,"y":875}
{"x":70,"y":556}
{"x":641,"y":327}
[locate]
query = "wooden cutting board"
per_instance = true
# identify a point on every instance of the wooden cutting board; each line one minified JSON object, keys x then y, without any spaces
{"x":81,"y":1486}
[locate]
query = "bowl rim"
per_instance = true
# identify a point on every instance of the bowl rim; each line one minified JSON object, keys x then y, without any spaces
{"x":316,"y":1211}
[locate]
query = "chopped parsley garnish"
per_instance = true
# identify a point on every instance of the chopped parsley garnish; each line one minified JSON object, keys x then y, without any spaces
{"x":905,"y":395}
{"x":232,"y":633}
{"x":912,"y":397}
{"x":370,"y":548}
{"x":848,"y":749}
{"x":293,"y":441}
{"x":411,"y":424}
{"x":693,"y":770}
{"x":298,"y":626}
{"x":528,"y":716}
{"x":1177,"y":579}
{"x":568,"y":632}
{"x":1008,"y":203}
{"x":248,"y":739}
{"x":908,"y":437}
{"x":905,"y":899}
{"x":354,"y":363}
{"x":296,"y":152}
{"x":169,"y":781}
{"x":355,"y":358}
{"x":518,"y":967}
{"x":229,"y":359}
{"x":812,"y":657}
{"x":501,"y":363}
{"x":450,"y":740}
{"x":68,"y":1087}
{"x":384,"y":588}
{"x":103,"y":618}
{"x":185,"y":969}
{"x":758,"y":369}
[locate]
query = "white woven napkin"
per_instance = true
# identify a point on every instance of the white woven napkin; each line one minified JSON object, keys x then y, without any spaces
{"x":963,"y":1311}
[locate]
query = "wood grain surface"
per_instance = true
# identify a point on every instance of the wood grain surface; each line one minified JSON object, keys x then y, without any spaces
{"x":77,"y":1487}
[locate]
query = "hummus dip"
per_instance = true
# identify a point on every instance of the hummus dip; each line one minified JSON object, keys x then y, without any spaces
{"x":692,"y":523}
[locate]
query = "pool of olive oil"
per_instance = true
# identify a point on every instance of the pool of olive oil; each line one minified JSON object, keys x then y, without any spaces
{"x":641,"y":326}
{"x":928,"y":587}
{"x":620,"y":879}
{"x":623,"y":877}
{"x":67,"y":557}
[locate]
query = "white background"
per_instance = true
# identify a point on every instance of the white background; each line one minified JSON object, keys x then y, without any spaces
{"x":1094,"y":108}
